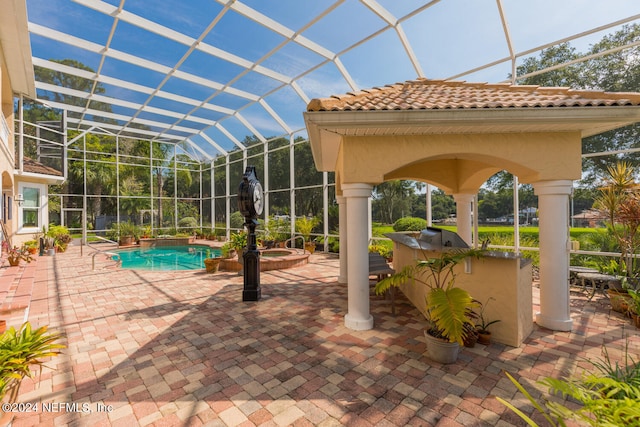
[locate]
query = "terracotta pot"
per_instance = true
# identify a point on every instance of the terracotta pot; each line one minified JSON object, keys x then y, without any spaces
{"x":619,"y":300}
{"x":635,"y":319}
{"x":6,"y":418}
{"x":310,"y":246}
{"x":14,"y":262}
{"x":3,"y":326}
{"x":484,"y":337}
{"x":212,"y":264}
{"x":11,"y":396}
{"x":126,"y":240}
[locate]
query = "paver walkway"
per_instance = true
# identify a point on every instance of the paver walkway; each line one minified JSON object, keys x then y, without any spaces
{"x":182,"y":349}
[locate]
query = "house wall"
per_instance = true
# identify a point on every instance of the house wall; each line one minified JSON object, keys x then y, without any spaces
{"x":7,"y":161}
{"x":16,"y":78}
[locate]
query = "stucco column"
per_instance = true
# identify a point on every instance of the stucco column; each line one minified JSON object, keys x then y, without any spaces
{"x":342,"y":220}
{"x":463,"y":216}
{"x":553,"y":205}
{"x":358,"y":316}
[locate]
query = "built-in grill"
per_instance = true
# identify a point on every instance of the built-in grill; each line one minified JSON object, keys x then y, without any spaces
{"x":431,"y":238}
{"x":504,"y":277}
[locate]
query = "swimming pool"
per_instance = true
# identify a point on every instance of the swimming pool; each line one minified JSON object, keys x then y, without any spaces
{"x":167,"y":258}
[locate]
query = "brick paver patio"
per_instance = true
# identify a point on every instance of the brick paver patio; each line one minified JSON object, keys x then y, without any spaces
{"x":182,"y":349}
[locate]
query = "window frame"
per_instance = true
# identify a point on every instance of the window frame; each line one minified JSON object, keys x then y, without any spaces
{"x":39,"y":209}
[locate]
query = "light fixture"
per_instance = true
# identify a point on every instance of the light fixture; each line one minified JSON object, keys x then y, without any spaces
{"x":19,"y":199}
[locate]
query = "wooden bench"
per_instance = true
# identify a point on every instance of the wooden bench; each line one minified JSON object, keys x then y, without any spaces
{"x":379,"y":267}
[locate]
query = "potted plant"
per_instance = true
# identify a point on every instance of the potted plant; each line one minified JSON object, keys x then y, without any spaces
{"x":212,"y":264}
{"x":268,"y":233}
{"x":238,"y":241}
{"x":126,"y":233}
{"x":31,"y":246}
{"x":61,"y":237}
{"x":48,"y":241}
{"x":634,"y":307}
{"x":484,"y":334}
{"x":227,"y":251}
{"x":15,"y":254}
{"x":448,"y":308}
{"x":276,"y":231}
{"x":145,"y":232}
{"x":305,"y":226}
{"x":20,"y":350}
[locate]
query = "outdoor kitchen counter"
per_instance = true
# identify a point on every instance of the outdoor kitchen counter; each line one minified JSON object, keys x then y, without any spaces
{"x":500,"y":280}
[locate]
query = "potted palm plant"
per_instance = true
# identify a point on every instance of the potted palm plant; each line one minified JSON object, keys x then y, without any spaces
{"x":20,"y":351}
{"x":268,"y":232}
{"x":126,"y":233}
{"x":238,"y":242}
{"x":305,"y":226}
{"x":449,"y":309}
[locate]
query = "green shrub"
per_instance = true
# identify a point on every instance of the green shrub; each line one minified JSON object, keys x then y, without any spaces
{"x":188,"y":222}
{"x":60,"y":235}
{"x":333,"y":243}
{"x":410,"y":224}
{"x":383,"y":248}
{"x":236,"y":220}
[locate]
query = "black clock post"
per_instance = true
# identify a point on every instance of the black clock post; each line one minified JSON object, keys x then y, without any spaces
{"x":250,"y":204}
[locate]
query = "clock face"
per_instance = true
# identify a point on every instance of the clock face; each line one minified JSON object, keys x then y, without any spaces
{"x":258,"y":201}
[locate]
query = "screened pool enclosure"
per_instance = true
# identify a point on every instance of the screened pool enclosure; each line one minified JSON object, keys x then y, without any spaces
{"x":151,"y":114}
{"x":161,"y":186}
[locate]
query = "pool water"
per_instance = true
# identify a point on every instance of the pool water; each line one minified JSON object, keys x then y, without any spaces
{"x":167,"y":258}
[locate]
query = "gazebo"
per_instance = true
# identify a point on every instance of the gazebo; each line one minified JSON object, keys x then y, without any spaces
{"x":456,"y":135}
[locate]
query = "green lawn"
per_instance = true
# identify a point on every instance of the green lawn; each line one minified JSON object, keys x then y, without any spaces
{"x":503,"y":236}
{"x":495,"y":232}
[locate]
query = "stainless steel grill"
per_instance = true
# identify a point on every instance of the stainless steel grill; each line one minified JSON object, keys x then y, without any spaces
{"x":431,"y":238}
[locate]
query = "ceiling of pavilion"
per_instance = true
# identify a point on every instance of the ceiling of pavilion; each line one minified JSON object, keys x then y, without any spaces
{"x":206,"y":74}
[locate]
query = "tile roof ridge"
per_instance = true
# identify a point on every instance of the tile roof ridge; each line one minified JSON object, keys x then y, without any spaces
{"x":592,"y":93}
{"x":553,"y":90}
{"x":422,"y":93}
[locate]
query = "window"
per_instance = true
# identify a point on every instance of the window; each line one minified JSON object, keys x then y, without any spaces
{"x":30,"y":212}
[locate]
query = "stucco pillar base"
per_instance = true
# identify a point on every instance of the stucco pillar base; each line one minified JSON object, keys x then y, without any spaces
{"x":358,"y":324}
{"x":358,"y":316}
{"x":554,"y":324}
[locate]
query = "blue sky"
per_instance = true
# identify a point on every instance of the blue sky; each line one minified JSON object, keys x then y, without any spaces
{"x":447,"y":38}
